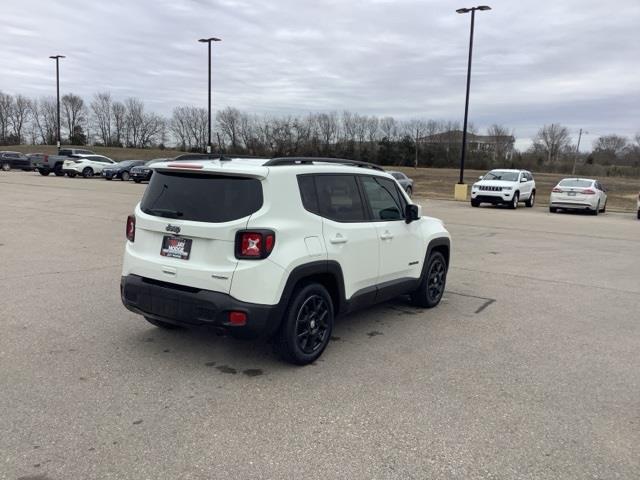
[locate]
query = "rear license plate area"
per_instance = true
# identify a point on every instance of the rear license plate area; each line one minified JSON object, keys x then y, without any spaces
{"x":176,"y":247}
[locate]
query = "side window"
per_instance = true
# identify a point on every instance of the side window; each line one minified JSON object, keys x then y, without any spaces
{"x":384,"y":199}
{"x":339,"y":198}
{"x":308,"y":194}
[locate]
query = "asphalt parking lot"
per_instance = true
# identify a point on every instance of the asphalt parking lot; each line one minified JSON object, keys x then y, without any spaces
{"x":530,"y":368}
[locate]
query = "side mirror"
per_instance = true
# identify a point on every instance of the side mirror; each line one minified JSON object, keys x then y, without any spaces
{"x":412,"y":213}
{"x":480,"y":177}
{"x":523,"y":180}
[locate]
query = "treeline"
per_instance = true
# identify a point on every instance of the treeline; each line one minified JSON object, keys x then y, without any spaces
{"x":106,"y":121}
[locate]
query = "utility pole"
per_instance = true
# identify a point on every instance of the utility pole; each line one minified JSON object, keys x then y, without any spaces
{"x":575,"y":157}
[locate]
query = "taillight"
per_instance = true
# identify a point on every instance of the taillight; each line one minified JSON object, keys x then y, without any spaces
{"x":131,"y":228}
{"x":588,"y":191}
{"x":557,"y":190}
{"x":254,"y":244}
{"x":46,"y":159}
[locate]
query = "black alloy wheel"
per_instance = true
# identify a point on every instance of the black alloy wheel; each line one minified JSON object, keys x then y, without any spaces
{"x":307,"y":325}
{"x":432,"y":286}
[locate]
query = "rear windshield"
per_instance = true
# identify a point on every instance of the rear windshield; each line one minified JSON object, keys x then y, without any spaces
{"x":576,"y":183}
{"x":201,"y":198}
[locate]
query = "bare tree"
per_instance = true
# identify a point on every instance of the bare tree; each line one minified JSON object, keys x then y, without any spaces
{"x":119,"y":118}
{"x":229,"y":123}
{"x":415,"y":128}
{"x":502,"y":141}
{"x":101,"y":108}
{"x":328,"y":128}
{"x":45,"y":116}
{"x":373,"y":128}
{"x":74,"y":113}
{"x":6,"y":106}
{"x":389,"y":128}
{"x":19,"y":116}
{"x":552,"y":139}
{"x":613,"y":145}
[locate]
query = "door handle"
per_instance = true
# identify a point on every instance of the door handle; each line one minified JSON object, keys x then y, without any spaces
{"x":387,"y":235}
{"x":338,"y":238}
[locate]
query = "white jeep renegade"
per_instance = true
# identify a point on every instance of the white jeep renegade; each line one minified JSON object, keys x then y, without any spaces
{"x":277,"y":247}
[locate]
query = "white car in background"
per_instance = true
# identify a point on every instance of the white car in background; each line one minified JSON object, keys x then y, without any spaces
{"x":86,"y":165}
{"x":504,"y":186}
{"x":579,"y":194}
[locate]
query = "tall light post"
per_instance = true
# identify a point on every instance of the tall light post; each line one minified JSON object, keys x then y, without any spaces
{"x":466,"y":104}
{"x":57,"y":58}
{"x":208,"y":41}
{"x":575,"y":157}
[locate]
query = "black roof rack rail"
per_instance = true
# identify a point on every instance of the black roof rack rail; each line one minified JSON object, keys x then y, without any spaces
{"x":279,"y":161}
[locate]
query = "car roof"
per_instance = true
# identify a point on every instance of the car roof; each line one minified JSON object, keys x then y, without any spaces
{"x":261,"y":167}
{"x":579,"y":178}
{"x":507,"y":170}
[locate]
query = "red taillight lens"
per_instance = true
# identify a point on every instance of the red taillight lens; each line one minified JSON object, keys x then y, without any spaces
{"x":131,"y":228}
{"x":588,"y":191}
{"x":251,"y":245}
{"x":557,"y":190}
{"x":237,"y":318}
{"x":46,"y":159}
{"x":254,"y":244}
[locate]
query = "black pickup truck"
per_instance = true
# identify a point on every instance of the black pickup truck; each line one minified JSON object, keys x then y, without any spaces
{"x":45,"y":164}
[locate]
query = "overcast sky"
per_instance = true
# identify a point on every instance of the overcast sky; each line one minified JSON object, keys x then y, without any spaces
{"x":575,"y":62}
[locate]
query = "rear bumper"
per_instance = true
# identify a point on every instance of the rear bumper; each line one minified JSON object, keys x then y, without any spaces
{"x":139,"y":176}
{"x":569,"y":205}
{"x":192,"y":307}
{"x":107,"y":174}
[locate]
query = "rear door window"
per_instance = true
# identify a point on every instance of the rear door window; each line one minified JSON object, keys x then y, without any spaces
{"x":201,"y":197}
{"x":339,"y":198}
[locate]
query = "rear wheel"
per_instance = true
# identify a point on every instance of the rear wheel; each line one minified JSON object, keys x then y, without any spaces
{"x":6,"y":167}
{"x":306,"y":326}
{"x":596,"y":210}
{"x":532,"y":200}
{"x":57,"y":170}
{"x":70,"y":174}
{"x":136,"y":180}
{"x":108,"y":178}
{"x":553,"y":209}
{"x":161,"y":324}
{"x":604,"y":209}
{"x":514,"y":203}
{"x":124,"y":176}
{"x":44,"y":172}
{"x":431,"y":288}
{"x":87,"y":172}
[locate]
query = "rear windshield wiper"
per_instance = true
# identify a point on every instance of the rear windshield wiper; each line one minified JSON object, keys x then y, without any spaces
{"x":163,"y":212}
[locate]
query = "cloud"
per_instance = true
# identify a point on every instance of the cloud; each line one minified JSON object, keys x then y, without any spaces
{"x":572,"y":62}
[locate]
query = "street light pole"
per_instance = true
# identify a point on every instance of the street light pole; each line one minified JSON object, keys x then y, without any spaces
{"x":57,"y":58}
{"x":466,"y":104}
{"x":208,"y":41}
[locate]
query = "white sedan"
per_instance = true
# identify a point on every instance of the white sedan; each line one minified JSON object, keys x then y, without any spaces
{"x":86,"y":165}
{"x":578,"y":194}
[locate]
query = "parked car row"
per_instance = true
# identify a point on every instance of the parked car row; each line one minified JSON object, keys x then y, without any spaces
{"x":511,"y":187}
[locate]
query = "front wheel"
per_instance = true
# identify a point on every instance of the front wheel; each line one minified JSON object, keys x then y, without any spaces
{"x":475,"y":203}
{"x":531,"y":201}
{"x":136,"y":180}
{"x":87,"y":172}
{"x":124,"y":176}
{"x":514,"y":203}
{"x":306,"y":326}
{"x":6,"y":167}
{"x":553,"y":209}
{"x":71,"y":174}
{"x":431,"y":288}
{"x":44,"y":172}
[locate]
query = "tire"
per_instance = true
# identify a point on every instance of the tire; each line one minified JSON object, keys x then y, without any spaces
{"x":108,"y":178}
{"x":409,"y":191}
{"x":596,"y":211}
{"x":57,"y":170}
{"x":432,"y":286}
{"x":553,"y":209}
{"x":306,"y":326}
{"x":87,"y":172}
{"x":136,"y":180}
{"x":161,"y":324}
{"x":514,"y":203}
{"x":531,"y":201}
{"x":124,"y":176}
{"x":638,"y":214}
{"x":44,"y":172}
{"x":604,"y":209}
{"x":475,"y":203}
{"x":71,"y":174}
{"x":6,"y":167}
